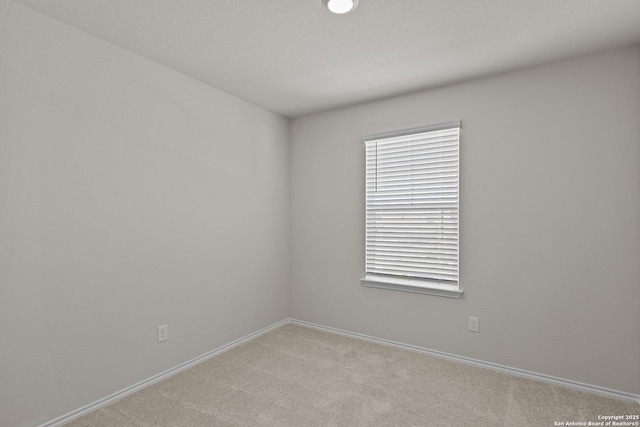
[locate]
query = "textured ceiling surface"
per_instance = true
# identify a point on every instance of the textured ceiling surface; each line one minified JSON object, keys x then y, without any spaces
{"x":294,"y":57}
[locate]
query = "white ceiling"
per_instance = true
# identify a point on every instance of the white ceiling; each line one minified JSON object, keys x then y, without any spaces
{"x":294,"y":57}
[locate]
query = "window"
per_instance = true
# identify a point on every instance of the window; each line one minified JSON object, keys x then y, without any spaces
{"x":412,"y":210}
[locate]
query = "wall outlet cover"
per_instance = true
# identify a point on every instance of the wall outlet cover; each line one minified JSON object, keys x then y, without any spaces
{"x":163,"y":333}
{"x":474,"y":324}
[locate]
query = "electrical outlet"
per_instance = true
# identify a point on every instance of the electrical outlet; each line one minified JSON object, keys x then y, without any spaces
{"x":163,"y":333}
{"x":474,"y":324}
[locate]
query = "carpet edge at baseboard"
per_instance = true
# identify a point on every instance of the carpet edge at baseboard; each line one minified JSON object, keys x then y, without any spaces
{"x":602,"y":391}
{"x":70,"y":416}
{"x":615,"y":394}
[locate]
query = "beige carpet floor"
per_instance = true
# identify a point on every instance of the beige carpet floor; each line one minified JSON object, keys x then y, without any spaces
{"x":300,"y":376}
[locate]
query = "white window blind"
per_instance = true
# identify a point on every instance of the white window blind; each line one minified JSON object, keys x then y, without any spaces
{"x":412,"y":207}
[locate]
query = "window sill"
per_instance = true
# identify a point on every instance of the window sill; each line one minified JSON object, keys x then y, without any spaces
{"x":415,"y":286}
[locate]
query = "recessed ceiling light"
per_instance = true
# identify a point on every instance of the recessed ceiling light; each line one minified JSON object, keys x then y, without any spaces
{"x":340,"y":6}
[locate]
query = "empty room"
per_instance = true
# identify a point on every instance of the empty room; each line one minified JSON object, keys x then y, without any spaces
{"x":319,"y":213}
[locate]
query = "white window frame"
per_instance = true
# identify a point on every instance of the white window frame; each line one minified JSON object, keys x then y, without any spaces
{"x":413,"y":273}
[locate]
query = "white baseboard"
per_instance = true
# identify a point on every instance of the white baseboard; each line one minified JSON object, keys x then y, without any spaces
{"x":154,"y":379}
{"x":615,"y":394}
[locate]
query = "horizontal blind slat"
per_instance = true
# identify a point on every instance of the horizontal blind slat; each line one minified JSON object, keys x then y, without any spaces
{"x":408,"y":155}
{"x":414,"y":273}
{"x":424,"y":164}
{"x":389,"y":245}
{"x":425,"y":261}
{"x":414,"y":175}
{"x":440,"y":255}
{"x":417,"y":145}
{"x":415,"y":243}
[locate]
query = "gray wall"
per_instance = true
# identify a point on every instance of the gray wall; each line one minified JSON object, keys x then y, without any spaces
{"x":130,"y":196}
{"x":550,"y":221}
